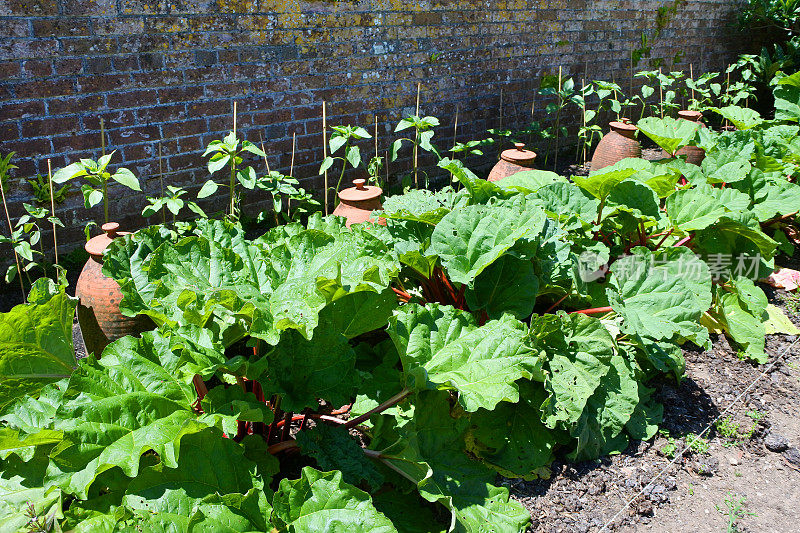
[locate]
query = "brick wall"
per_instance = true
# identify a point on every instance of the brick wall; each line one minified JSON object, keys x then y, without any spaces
{"x":167,"y":72}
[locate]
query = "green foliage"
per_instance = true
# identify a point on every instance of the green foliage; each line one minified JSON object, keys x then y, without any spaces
{"x":226,"y":152}
{"x":480,"y":331}
{"x":344,"y":138}
{"x":41,"y":191}
{"x":97,"y":177}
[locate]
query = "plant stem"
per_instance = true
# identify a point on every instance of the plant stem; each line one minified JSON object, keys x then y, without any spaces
{"x":344,"y":167}
{"x":595,"y":311}
{"x":379,"y":456}
{"x":549,"y":309}
{"x":600,"y":211}
{"x":391,"y":402}
{"x":52,"y":208}
{"x":661,"y":242}
{"x":325,"y":152}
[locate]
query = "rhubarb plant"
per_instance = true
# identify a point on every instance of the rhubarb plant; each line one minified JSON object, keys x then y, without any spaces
{"x":380,"y":377}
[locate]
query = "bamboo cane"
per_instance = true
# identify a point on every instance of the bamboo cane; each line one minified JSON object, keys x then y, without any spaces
{"x":325,"y":151}
{"x":52,"y":208}
{"x":11,"y":234}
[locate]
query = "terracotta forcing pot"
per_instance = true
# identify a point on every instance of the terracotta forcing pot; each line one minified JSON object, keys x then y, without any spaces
{"x":693,"y":154}
{"x":99,"y":297}
{"x":512,"y":161}
{"x":617,"y":145}
{"x":357,"y":203}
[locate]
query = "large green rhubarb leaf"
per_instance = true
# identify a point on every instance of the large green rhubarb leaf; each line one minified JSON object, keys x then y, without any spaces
{"x":323,"y":502}
{"x":655,"y":300}
{"x":117,"y":409}
{"x":787,"y":98}
{"x":600,"y":183}
{"x":608,"y":410}
{"x":470,"y":239}
{"x":512,"y":438}
{"x":694,"y":209}
{"x":508,"y":285}
{"x":442,"y":347}
{"x":36,"y":344}
{"x":213,"y":487}
{"x":421,"y":205}
{"x":578,"y":349}
{"x":567,"y":204}
{"x":428,"y":447}
{"x":669,"y":133}
{"x":743,"y":118}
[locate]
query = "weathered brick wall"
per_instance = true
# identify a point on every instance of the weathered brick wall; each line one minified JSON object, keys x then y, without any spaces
{"x":168,"y":72}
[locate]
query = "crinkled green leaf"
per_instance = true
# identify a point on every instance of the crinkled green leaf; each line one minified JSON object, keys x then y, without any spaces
{"x":512,"y":438}
{"x":600,"y":183}
{"x":323,"y":502}
{"x":578,"y":349}
{"x":334,"y":449}
{"x":130,"y":402}
{"x":528,"y":181}
{"x":469,"y":239}
{"x":212,"y":487}
{"x":743,"y":118}
{"x":224,"y":405}
{"x":654,"y":299}
{"x":35,"y":345}
{"x":508,"y":285}
{"x":441,"y":347}
{"x":669,"y":133}
{"x":608,"y":410}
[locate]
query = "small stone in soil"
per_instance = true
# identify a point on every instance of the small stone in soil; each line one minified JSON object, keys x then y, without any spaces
{"x":707,"y":466}
{"x":793,"y":456}
{"x":776,"y":442}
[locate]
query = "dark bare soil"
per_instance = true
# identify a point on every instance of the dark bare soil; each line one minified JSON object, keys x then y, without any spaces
{"x":752,"y":457}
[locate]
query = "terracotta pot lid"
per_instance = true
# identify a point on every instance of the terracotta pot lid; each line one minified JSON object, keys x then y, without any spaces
{"x":518,"y":155}
{"x":97,"y":245}
{"x":361,"y":192}
{"x":693,"y":116}
{"x":623,"y":125}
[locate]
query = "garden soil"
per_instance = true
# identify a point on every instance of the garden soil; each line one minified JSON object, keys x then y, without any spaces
{"x":752,"y":457}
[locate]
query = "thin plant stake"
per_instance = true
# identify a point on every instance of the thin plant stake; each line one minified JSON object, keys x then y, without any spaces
{"x":501,"y":109}
{"x":52,"y":210}
{"x":376,"y":136}
{"x":266,"y":162}
{"x":291,"y":174}
{"x":558,"y":116}
{"x":660,"y":93}
{"x":161,"y":180}
{"x":233,"y":164}
{"x":583,"y":91}
{"x":325,"y":151}
{"x":11,"y":233}
{"x":105,"y":183}
{"x":691,"y":76}
{"x":455,"y":128}
{"x":416,"y":144}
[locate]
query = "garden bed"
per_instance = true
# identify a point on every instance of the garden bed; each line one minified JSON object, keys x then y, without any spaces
{"x":691,"y":493}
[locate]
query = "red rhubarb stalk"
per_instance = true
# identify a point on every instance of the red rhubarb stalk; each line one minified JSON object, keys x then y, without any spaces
{"x":595,"y":311}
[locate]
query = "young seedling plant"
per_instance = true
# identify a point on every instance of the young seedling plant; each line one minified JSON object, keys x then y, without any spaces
{"x":97,"y":177}
{"x":228,"y":153}
{"x":344,"y":138}
{"x":423,"y":134}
